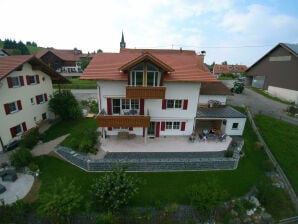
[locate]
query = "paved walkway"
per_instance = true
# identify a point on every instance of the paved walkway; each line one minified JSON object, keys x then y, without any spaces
{"x":46,"y":148}
{"x":18,"y":189}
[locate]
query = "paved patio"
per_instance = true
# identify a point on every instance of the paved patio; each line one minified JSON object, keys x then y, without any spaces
{"x":163,"y":144}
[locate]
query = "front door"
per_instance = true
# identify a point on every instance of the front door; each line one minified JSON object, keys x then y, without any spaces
{"x":151,"y":129}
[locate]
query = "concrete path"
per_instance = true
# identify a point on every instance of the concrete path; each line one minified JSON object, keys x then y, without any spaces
{"x":46,"y":148}
{"x":259,"y":104}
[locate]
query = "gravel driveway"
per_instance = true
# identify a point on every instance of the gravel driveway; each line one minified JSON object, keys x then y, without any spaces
{"x":259,"y":104}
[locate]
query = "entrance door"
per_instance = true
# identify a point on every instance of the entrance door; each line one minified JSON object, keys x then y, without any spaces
{"x":151,"y":129}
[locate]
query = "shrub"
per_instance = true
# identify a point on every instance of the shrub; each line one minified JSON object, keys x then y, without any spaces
{"x":21,"y":158}
{"x":30,"y":138}
{"x":229,"y":153}
{"x":33,"y":167}
{"x":115,"y":190}
{"x":91,"y":104}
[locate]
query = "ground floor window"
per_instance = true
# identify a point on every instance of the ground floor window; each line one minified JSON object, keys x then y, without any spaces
{"x":172,"y":125}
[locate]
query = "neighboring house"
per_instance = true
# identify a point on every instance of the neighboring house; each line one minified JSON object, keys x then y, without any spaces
{"x":3,"y":53}
{"x":277,"y":72}
{"x":66,"y":62}
{"x":25,"y":88}
{"x":236,"y":70}
{"x":155,"y":93}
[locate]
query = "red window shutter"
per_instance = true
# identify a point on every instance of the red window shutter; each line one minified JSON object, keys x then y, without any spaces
{"x":163,"y":126}
{"x":37,"y":100}
{"x":28,"y":79}
{"x":131,"y":129}
{"x":109,"y":106}
{"x":183,"y":126}
{"x":19,"y":105}
{"x":37,"y":78}
{"x":24,"y":126}
{"x":6,"y":107}
{"x":185,"y":104}
{"x":22,"y":80}
{"x":45,"y":97}
{"x":157,"y":129}
{"x":9,"y":82}
{"x":164,"y":104}
{"x":13,"y":132}
{"x":110,"y":128}
{"x":141,"y":106}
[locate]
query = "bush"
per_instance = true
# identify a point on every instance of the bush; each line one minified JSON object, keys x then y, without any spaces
{"x":33,"y":167}
{"x":115,"y":190}
{"x":30,"y":138}
{"x":229,"y":153}
{"x":21,"y":158}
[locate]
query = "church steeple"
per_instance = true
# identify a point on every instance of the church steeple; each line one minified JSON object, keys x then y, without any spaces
{"x":122,"y":43}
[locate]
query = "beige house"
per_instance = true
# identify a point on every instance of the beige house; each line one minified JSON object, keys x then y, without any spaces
{"x":25,"y":89}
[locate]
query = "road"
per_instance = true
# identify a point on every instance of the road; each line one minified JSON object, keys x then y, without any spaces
{"x":84,"y":94}
{"x":259,"y":104}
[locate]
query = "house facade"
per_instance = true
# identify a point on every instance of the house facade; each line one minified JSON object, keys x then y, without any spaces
{"x":150,"y":93}
{"x":276,"y":72}
{"x":66,"y":62}
{"x":25,"y":89}
{"x":236,"y":70}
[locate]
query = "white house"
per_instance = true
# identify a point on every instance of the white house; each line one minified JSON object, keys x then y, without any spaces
{"x":25,"y":88}
{"x":155,"y":93}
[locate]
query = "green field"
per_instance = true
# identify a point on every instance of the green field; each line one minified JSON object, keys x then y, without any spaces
{"x":77,"y":83}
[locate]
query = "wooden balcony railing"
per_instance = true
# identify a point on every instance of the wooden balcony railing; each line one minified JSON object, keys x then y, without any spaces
{"x":123,"y":121}
{"x":145,"y":92}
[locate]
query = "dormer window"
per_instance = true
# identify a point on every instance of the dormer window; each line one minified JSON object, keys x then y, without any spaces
{"x":144,"y":74}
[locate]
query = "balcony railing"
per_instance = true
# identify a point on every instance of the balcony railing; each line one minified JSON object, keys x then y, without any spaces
{"x":146,"y":92}
{"x":123,"y":121}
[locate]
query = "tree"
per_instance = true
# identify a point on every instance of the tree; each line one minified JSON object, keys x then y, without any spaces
{"x":114,"y":190}
{"x":61,"y":202}
{"x":205,"y":197}
{"x":64,"y":104}
{"x":224,"y":63}
{"x":21,"y":158}
{"x":85,"y":62}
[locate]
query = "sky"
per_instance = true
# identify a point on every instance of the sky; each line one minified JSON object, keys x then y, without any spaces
{"x":236,"y":31}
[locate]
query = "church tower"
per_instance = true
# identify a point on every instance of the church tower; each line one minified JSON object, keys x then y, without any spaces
{"x":122,"y":43}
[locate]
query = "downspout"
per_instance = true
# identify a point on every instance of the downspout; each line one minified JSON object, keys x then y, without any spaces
{"x":99,"y":98}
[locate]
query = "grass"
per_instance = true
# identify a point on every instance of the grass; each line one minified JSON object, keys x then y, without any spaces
{"x":65,"y":127}
{"x":161,"y":188}
{"x":77,"y":83}
{"x":281,"y":138}
{"x":263,"y":93}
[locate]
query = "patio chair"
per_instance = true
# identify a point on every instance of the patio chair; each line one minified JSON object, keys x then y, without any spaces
{"x":222,"y":137}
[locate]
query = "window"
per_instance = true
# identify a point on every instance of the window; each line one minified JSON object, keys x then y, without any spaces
{"x":40,"y":99}
{"x":172,"y":125}
{"x":125,"y":104}
{"x":137,"y":75}
{"x":174,"y":104}
{"x":32,"y":79}
{"x":134,"y":104}
{"x":152,"y":75}
{"x":14,"y":82}
{"x":13,"y":107}
{"x":137,"y":78}
{"x":18,"y":129}
{"x":116,"y":106}
{"x":32,"y":100}
{"x":235,"y":125}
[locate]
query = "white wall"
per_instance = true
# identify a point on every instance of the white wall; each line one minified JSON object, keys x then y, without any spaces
{"x":203,"y":99}
{"x":23,"y":93}
{"x":285,"y":94}
{"x":238,"y":131}
{"x":181,"y":90}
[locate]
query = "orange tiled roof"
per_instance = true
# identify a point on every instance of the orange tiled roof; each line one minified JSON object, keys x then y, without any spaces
{"x":222,"y":69}
{"x":66,"y":55}
{"x":9,"y":64}
{"x":182,"y":65}
{"x":214,"y":88}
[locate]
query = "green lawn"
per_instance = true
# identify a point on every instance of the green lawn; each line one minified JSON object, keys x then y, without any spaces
{"x":161,"y":188}
{"x":281,"y":138}
{"x":77,"y":83}
{"x":66,"y":127}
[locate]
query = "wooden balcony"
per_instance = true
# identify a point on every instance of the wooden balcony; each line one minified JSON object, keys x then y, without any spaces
{"x":123,"y":121}
{"x":145,"y":92}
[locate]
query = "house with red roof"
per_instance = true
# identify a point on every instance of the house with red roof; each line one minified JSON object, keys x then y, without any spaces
{"x":25,"y":88}
{"x":66,"y":62}
{"x":236,"y":70}
{"x":157,"y":93}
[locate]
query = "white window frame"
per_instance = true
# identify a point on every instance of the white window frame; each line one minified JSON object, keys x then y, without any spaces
{"x":16,"y":82}
{"x":175,"y":105}
{"x":32,"y":77}
{"x":11,"y":105}
{"x":20,"y":128}
{"x":173,"y":125}
{"x":41,"y":96}
{"x":133,"y":77}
